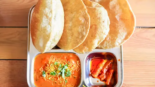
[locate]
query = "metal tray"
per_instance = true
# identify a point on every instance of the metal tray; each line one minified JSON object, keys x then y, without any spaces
{"x":85,"y":78}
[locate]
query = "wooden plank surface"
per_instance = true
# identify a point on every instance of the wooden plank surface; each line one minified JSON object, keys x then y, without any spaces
{"x":144,"y":12}
{"x":13,"y":73}
{"x":139,"y":73}
{"x":141,"y":46}
{"x":15,"y":12}
{"x":13,"y":43}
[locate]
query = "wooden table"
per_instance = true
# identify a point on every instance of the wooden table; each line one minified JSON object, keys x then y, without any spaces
{"x":138,"y":51}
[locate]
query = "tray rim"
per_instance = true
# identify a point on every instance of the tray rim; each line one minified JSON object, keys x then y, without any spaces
{"x":60,"y":51}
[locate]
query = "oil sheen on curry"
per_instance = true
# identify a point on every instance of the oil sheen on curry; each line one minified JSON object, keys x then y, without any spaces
{"x":57,"y":70}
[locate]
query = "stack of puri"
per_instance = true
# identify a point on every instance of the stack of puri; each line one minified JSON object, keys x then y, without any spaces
{"x":81,"y":25}
{"x":99,"y":27}
{"x":122,"y":22}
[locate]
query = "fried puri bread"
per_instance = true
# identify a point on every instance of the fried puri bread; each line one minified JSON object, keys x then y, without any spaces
{"x":99,"y":27}
{"x":122,"y":22}
{"x":47,"y":24}
{"x":77,"y":23}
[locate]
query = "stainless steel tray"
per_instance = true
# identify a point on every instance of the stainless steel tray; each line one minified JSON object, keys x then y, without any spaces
{"x":85,"y":79}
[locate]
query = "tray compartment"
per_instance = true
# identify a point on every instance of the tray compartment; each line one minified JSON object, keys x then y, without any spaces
{"x":90,"y":81}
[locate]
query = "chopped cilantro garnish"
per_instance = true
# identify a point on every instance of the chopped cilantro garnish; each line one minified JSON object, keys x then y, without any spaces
{"x":68,"y":73}
{"x":65,"y":81}
{"x":63,"y":70}
{"x":53,"y":73}
{"x":59,"y":73}
{"x":60,"y":67}
{"x":44,"y":74}
{"x":63,"y":73}
{"x":66,"y":65}
{"x":55,"y":63}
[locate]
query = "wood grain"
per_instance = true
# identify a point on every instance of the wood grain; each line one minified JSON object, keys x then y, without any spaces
{"x":144,"y":12}
{"x":15,"y":12}
{"x":13,"y":43}
{"x":13,"y":73}
{"x":139,"y":73}
{"x":141,"y":46}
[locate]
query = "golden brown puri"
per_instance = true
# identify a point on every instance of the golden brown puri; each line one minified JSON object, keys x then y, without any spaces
{"x":47,"y":24}
{"x":99,"y":27}
{"x":77,"y":23}
{"x":122,"y":22}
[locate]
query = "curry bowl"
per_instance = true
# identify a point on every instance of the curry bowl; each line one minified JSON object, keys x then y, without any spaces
{"x":63,"y":68}
{"x":84,"y":59}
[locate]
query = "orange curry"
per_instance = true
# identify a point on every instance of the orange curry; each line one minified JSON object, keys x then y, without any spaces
{"x":57,"y":70}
